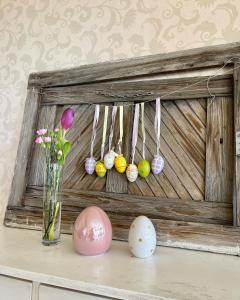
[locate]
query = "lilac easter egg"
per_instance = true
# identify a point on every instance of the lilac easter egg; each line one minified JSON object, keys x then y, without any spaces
{"x":157,"y":164}
{"x":92,"y":232}
{"x":90,"y":165}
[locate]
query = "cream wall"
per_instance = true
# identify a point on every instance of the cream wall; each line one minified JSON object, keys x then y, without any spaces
{"x":49,"y":34}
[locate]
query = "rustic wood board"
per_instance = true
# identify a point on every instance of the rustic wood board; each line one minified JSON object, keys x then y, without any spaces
{"x":194,"y":202}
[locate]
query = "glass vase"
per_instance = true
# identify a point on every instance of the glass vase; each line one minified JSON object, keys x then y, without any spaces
{"x":52,"y":203}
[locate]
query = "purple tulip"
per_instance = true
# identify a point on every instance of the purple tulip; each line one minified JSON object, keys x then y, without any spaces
{"x":67,"y":118}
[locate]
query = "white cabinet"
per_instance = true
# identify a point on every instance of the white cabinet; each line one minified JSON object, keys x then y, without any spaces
{"x":14,"y":289}
{"x":53,"y":293}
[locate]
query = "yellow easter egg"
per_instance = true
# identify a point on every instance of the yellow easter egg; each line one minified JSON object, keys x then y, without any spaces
{"x":120,"y":163}
{"x":100,"y":169}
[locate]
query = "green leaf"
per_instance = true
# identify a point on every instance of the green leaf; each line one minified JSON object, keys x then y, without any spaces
{"x":66,"y":148}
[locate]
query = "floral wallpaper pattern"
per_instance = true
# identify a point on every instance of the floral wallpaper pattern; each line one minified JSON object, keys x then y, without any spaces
{"x":37,"y":35}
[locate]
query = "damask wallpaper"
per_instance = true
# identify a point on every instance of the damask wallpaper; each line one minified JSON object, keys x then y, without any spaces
{"x":37,"y":35}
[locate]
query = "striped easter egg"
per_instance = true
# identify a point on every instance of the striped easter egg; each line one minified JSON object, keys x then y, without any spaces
{"x":132,"y":172}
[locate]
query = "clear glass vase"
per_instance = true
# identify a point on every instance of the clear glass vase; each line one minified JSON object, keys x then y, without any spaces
{"x":52,"y":203}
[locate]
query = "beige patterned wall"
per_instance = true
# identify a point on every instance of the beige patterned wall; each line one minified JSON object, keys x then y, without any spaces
{"x":37,"y":35}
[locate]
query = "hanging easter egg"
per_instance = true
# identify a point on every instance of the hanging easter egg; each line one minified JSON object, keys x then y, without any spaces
{"x":100,"y":169}
{"x":157,"y":164}
{"x":132,"y":172}
{"x":120,"y":163}
{"x":109,"y":159}
{"x":144,"y":168}
{"x":90,"y":164}
{"x":92,"y":232}
{"x":142,"y":237}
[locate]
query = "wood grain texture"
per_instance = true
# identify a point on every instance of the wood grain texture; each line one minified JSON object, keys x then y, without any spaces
{"x":181,"y":234}
{"x":236,"y":172}
{"x":219,"y":150}
{"x":25,"y":147}
{"x":142,"y":90}
{"x":154,"y":207}
{"x":149,"y":65}
{"x":184,"y":172}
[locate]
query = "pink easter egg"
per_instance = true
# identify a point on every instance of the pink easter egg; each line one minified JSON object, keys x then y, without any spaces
{"x":92,"y":232}
{"x":157,"y":164}
{"x":90,"y":165}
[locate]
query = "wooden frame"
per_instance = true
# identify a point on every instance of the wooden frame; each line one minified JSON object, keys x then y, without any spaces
{"x":209,"y":225}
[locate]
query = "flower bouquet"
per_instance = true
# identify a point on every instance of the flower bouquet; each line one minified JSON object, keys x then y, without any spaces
{"x":56,"y":148}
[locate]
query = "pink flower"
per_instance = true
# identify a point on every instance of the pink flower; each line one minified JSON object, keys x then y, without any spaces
{"x":39,"y":140}
{"x":67,"y":118}
{"x":41,"y":131}
{"x":47,"y":139}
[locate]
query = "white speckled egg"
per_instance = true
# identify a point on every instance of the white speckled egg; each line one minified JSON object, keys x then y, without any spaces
{"x":90,"y":165}
{"x":132,"y":172}
{"x":157,"y":164}
{"x":109,"y":159}
{"x":142,"y":237}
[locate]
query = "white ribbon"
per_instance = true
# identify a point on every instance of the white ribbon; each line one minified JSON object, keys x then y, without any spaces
{"x":143,"y":131}
{"x":120,"y":129}
{"x":157,"y":123}
{"x":94,"y":128}
{"x":104,"y":131}
{"x":135,"y":131}
{"x":114,"y":112}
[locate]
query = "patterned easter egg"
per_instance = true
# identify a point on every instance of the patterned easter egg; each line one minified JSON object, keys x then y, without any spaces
{"x":120,"y":163}
{"x":92,"y":232}
{"x":100,"y":169}
{"x":132,"y":172}
{"x":157,"y":164}
{"x":90,"y":165}
{"x":144,"y":168}
{"x":142,"y":237}
{"x":109,"y":159}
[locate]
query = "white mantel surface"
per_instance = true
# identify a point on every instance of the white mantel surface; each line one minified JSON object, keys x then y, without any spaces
{"x":168,"y":274}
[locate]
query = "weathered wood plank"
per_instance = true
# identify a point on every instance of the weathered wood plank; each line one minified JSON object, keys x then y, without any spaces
{"x":46,"y":119}
{"x":142,"y":90}
{"x":116,"y":182}
{"x":236,"y":158}
{"x":188,"y":235}
{"x":182,"y":139}
{"x":181,"y":154}
{"x":149,"y":65}
{"x":155,"y":207}
{"x":219,"y":150}
{"x":180,"y":169}
{"x":25,"y":147}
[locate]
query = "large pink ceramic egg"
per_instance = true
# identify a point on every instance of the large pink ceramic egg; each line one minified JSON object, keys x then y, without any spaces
{"x":92,"y":232}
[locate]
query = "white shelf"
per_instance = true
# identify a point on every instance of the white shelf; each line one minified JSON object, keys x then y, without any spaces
{"x":169,"y":274}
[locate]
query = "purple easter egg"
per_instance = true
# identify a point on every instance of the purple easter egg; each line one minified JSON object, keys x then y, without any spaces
{"x":92,"y":232}
{"x":90,"y":165}
{"x":157,"y":164}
